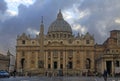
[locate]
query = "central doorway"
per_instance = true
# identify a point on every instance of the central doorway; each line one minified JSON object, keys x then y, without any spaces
{"x":55,"y":65}
{"x":109,"y":66}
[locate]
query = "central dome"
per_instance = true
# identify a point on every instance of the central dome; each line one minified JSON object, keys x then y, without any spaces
{"x":60,"y":25}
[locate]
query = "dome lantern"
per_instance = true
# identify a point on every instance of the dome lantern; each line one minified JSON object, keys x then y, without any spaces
{"x":59,"y":16}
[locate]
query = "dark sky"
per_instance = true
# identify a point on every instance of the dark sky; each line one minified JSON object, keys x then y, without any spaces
{"x":95,"y":16}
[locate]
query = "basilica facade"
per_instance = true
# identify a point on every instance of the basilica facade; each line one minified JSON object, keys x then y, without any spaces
{"x":59,"y":50}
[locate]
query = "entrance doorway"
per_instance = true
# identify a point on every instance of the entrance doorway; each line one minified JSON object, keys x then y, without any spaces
{"x":70,"y":65}
{"x":109,"y":66}
{"x":55,"y":65}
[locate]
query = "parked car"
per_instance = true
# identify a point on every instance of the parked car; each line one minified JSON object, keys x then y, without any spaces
{"x":4,"y":73}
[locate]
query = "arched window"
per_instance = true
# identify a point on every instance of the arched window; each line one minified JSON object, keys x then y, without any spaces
{"x":49,"y":42}
{"x":53,"y":35}
{"x":61,"y":42}
{"x":50,"y":36}
{"x":23,"y":41}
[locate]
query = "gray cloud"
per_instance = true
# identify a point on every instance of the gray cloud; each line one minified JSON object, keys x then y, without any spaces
{"x":30,"y":17}
{"x":101,"y":19}
{"x":99,"y":22}
{"x":3,"y":6}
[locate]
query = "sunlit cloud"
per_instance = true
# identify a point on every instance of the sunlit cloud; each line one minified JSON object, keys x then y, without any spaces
{"x":13,"y":4}
{"x":73,"y":15}
{"x":79,"y":28}
{"x":32,"y":31}
{"x":117,"y":21}
{"x":7,"y":15}
{"x":11,"y":13}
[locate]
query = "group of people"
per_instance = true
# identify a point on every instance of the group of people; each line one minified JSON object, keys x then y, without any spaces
{"x":13,"y":73}
{"x":105,"y":73}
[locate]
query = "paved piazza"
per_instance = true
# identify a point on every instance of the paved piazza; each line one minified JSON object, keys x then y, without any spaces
{"x":57,"y":79}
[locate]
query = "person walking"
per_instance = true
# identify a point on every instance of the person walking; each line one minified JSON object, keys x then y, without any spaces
{"x":14,"y":73}
{"x":105,"y":75}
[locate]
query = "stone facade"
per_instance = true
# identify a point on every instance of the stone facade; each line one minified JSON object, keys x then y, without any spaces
{"x":59,"y":49}
{"x":109,"y":58}
{"x":4,"y":62}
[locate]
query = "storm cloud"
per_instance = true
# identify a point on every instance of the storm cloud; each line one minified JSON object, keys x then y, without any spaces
{"x":95,"y":16}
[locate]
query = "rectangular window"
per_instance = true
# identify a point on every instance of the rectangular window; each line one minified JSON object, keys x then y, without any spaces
{"x":87,"y":41}
{"x":55,"y":53}
{"x":49,"y":59}
{"x":117,"y":64}
{"x":61,"y":66}
{"x":70,"y":53}
{"x":55,"y":65}
{"x":49,"y":54}
{"x":40,"y":64}
{"x":61,"y":54}
{"x":70,"y":65}
{"x":49,"y":66}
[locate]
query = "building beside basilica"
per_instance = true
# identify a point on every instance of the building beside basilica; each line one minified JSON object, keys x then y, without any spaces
{"x":59,"y":50}
{"x":4,"y":62}
{"x":109,"y":54}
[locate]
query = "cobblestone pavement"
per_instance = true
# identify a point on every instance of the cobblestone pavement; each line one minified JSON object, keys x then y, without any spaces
{"x":58,"y":79}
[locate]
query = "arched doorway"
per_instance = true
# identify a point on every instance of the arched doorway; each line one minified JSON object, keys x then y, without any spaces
{"x":88,"y":63}
{"x":22,"y":62}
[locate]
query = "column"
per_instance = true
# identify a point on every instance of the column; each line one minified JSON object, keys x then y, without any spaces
{"x":27,"y":65}
{"x":46,"y":60}
{"x":64,"y":60}
{"x":51,"y":60}
{"x":74,"y":63}
{"x":66,"y":63}
{"x":58,"y":59}
{"x":105,"y":65}
{"x":18,"y":64}
{"x":102,"y":66}
{"x":74,"y":59}
{"x":113,"y":68}
{"x":36,"y":60}
{"x":92,"y":63}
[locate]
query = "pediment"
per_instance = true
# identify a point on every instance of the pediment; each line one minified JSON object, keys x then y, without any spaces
{"x":55,"y":44}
